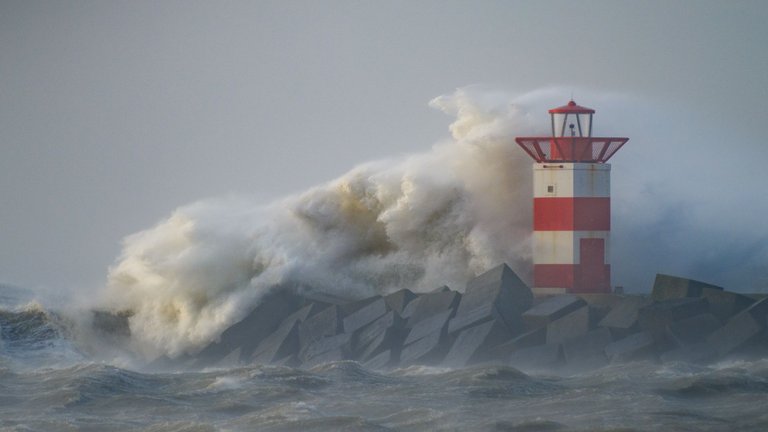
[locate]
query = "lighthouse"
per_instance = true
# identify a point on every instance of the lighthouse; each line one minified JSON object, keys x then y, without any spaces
{"x":571,"y":204}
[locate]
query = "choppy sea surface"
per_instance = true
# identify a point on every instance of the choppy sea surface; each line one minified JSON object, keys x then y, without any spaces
{"x":47,"y":383}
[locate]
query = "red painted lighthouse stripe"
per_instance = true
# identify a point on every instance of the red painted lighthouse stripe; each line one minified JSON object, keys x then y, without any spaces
{"x":572,"y":214}
{"x":553,"y":214}
{"x":592,"y":214}
{"x":553,"y":275}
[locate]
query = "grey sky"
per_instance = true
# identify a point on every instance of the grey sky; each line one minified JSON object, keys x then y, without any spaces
{"x":114,"y":113}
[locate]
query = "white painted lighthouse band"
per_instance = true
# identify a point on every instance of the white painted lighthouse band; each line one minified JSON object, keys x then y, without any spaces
{"x":571,"y":204}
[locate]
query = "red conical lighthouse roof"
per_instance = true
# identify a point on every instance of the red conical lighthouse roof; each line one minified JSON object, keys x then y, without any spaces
{"x":571,"y":108}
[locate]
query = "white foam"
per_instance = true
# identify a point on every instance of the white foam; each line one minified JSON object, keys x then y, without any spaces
{"x":420,"y":221}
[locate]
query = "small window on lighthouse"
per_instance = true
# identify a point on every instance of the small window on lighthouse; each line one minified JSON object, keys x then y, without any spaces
{"x":551,"y":189}
{"x":558,"y":124}
{"x":585,"y":121}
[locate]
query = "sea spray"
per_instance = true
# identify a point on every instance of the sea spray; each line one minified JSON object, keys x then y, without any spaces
{"x":419,"y":221}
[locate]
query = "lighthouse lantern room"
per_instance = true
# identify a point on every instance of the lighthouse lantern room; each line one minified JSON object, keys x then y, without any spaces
{"x":571,"y":204}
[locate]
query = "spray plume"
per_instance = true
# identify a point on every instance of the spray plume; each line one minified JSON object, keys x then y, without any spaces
{"x":417,"y":222}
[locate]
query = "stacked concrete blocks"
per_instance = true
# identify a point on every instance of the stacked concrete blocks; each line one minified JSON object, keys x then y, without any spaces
{"x":551,"y":309}
{"x":667,"y":287}
{"x":427,"y":339}
{"x":622,"y":319}
{"x":494,"y":320}
{"x":498,"y":294}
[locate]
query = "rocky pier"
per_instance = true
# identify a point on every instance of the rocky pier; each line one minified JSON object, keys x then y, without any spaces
{"x":495,"y":320}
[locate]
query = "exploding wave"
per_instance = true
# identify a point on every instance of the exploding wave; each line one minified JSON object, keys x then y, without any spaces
{"x":419,"y":222}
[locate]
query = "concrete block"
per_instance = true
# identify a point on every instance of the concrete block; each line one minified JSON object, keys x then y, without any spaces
{"x":484,"y":313}
{"x":390,"y":340}
{"x":631,"y":347}
{"x":325,"y":323}
{"x":547,"y":292}
{"x":398,"y":300}
{"x":607,"y":300}
{"x":382,"y":342}
{"x":624,"y":314}
{"x":313,"y":308}
{"x":596,"y":314}
{"x":569,"y":326}
{"x":432,"y":304}
{"x":303,"y":313}
{"x":473,"y":343}
{"x":587,"y":349}
{"x":495,"y":294}
{"x":251,"y":330}
{"x":410,"y":308}
{"x":430,"y":349}
{"x":281,"y":343}
{"x":500,"y":286}
{"x":692,"y":330}
{"x":695,"y":353}
{"x":230,"y":360}
{"x":657,"y":316}
{"x":444,"y":288}
{"x":759,"y":309}
{"x":380,"y":361}
{"x":354,"y":306}
{"x":339,"y":345}
{"x":365,"y":315}
{"x":384,"y":334}
{"x":743,"y":328}
{"x":537,"y":357}
{"x":526,"y":340}
{"x":667,"y":287}
{"x":387,"y":322}
{"x":551,"y":309}
{"x":435,"y":324}
{"x":725,"y":304}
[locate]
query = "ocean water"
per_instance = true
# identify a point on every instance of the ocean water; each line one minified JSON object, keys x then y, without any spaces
{"x":48,"y":383}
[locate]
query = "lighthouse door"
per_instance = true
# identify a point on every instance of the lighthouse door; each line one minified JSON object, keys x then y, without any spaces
{"x":592,"y":274}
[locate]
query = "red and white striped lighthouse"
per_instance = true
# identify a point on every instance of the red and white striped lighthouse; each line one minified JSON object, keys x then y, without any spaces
{"x":571,"y":204}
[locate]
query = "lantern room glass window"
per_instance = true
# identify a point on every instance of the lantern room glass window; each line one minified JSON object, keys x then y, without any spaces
{"x":572,"y":124}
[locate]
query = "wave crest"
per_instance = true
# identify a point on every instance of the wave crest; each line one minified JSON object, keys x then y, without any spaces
{"x":420,"y":221}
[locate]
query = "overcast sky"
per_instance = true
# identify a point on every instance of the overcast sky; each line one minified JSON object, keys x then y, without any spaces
{"x":112,"y":114}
